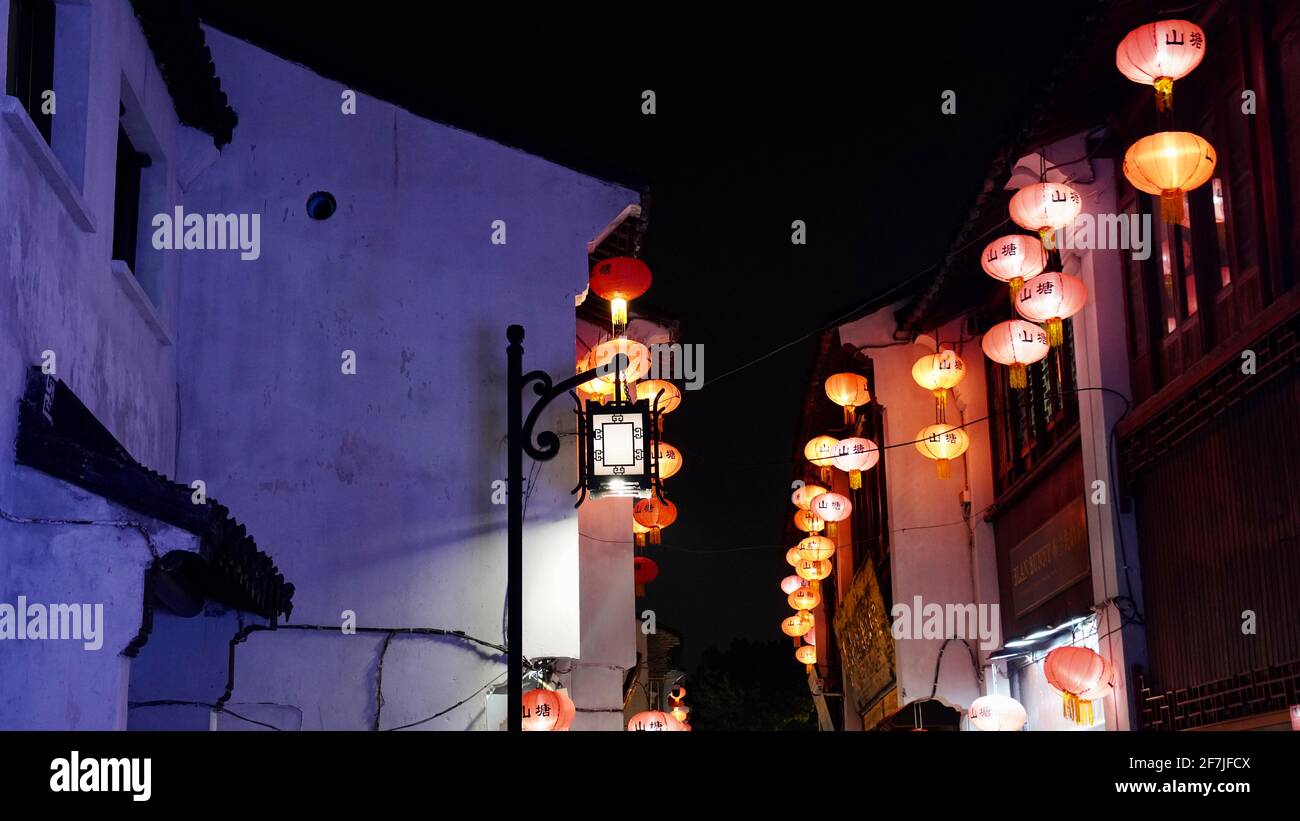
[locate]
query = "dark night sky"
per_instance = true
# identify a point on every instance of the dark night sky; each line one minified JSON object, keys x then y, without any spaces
{"x":764,"y":116}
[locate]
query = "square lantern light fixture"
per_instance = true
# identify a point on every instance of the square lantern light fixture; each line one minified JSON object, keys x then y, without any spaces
{"x":619,"y":456}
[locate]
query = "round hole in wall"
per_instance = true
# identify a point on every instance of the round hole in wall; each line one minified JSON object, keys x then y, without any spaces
{"x":321,"y":205}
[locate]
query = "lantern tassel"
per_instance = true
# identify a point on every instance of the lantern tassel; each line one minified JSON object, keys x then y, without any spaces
{"x":1076,"y":709}
{"x":1019,"y":375}
{"x":941,"y":468}
{"x":855,"y":479}
{"x":1055,"y":332}
{"x":639,"y":539}
{"x":654,"y":535}
{"x":1171,"y":207}
{"x":826,"y":475}
{"x":1016,"y":284}
{"x":850,"y":414}
{"x":1048,"y":237}
{"x":640,"y":590}
{"x":618,"y":316}
{"x":1164,"y":93}
{"x":807,"y":668}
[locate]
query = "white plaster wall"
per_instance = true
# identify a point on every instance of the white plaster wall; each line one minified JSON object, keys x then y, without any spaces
{"x":59,"y":293}
{"x":373,"y":491}
{"x":938,"y":564}
{"x":63,"y":685}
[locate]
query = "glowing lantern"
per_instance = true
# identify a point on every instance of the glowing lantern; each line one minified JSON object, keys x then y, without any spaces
{"x":644,"y":571}
{"x":677,"y":693}
{"x":1045,"y":207}
{"x":804,"y":598}
{"x":1157,"y":54}
{"x":942,"y":442}
{"x":1049,"y":298}
{"x":994,"y":713}
{"x":653,"y":721}
{"x":816,"y":548}
{"x":937,"y":373}
{"x":654,"y":514}
{"x":1015,"y":343}
{"x":639,"y":533}
{"x":667,"y":394}
{"x":810,"y":638}
{"x":808,"y":522}
{"x":547,"y":710}
{"x":1013,"y":259}
{"x":821,"y":451}
{"x":670,"y":460}
{"x":798,"y":624}
{"x":848,"y":390}
{"x":832,"y":507}
{"x":808,"y":655}
{"x":596,"y":388}
{"x":814,"y":571}
{"x":638,"y":361}
{"x":1080,"y":675}
{"x":1169,"y":163}
{"x":792,"y":583}
{"x":803,"y":496}
{"x":618,"y":280}
{"x":856,"y":455}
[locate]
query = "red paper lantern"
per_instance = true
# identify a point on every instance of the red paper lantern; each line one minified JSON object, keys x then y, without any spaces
{"x":821,"y":451}
{"x":1159,"y":53}
{"x":1016,"y":344}
{"x":942,"y":443}
{"x":807,"y":521}
{"x":804,"y":494}
{"x":1081,"y":676}
{"x":798,"y":624}
{"x":1049,"y":298}
{"x":662,"y":395}
{"x":848,"y":390}
{"x":653,"y":721}
{"x":1013,"y":259}
{"x":547,"y":710}
{"x":816,"y":548}
{"x":1169,"y":164}
{"x":804,"y":598}
{"x":855,"y":455}
{"x":619,"y":280}
{"x":1045,"y":207}
{"x":831,"y":507}
{"x":644,"y":571}
{"x":995,"y":713}
{"x":808,"y":655}
{"x":654,"y":514}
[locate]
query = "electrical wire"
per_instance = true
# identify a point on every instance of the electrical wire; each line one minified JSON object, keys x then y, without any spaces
{"x":167,"y":702}
{"x":441,"y":713}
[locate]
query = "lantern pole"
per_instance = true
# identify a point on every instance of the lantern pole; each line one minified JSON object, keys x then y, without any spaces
{"x":519,"y":438}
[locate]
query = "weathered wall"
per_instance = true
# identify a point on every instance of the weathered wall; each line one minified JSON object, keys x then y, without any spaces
{"x":63,"y":684}
{"x":935,"y":554}
{"x":58,"y":294}
{"x":373,"y":491}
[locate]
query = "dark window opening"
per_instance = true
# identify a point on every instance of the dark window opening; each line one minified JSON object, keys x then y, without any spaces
{"x":1028,"y":423}
{"x":126,"y":199}
{"x":31,"y":58}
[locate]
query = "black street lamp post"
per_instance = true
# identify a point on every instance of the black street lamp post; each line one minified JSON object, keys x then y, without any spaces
{"x":520,"y":441}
